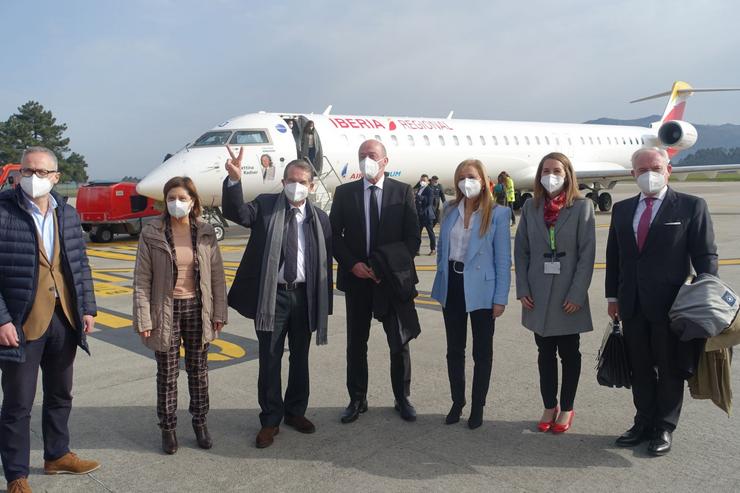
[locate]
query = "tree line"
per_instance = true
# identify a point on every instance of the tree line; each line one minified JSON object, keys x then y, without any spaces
{"x":32,"y":125}
{"x":714,"y":155}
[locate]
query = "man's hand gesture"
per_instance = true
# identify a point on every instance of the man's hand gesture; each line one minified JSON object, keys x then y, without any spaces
{"x":234,"y":164}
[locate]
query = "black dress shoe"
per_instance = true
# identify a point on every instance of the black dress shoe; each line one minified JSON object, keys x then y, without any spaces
{"x":475,"y":420}
{"x":408,"y":413}
{"x":634,"y":436}
{"x":353,"y":411}
{"x":169,"y":442}
{"x":454,"y":415}
{"x":202,"y":436}
{"x":661,"y":444}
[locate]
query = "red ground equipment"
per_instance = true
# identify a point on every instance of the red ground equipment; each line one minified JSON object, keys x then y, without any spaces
{"x":110,"y":208}
{"x":10,"y":176}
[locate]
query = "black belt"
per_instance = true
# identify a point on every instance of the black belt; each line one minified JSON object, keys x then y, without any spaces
{"x":457,"y":267}
{"x":290,"y":286}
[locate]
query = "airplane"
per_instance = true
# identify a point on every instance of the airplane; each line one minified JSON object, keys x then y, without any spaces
{"x":433,"y":146}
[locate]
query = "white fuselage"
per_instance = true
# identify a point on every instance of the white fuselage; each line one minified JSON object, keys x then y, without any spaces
{"x":415,"y":146}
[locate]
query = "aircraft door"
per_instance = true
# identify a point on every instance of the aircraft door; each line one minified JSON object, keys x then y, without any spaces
{"x":310,"y":143}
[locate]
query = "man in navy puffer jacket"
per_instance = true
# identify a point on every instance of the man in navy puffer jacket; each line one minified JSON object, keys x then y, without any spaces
{"x":47,"y":305}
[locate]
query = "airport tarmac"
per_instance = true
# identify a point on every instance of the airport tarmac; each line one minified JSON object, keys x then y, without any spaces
{"x":114,"y":419}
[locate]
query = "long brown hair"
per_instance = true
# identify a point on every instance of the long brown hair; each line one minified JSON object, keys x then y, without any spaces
{"x":187,"y":184}
{"x":484,"y":200}
{"x":570,"y":186}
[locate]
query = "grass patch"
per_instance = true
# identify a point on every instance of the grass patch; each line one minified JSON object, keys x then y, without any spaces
{"x":719,"y":177}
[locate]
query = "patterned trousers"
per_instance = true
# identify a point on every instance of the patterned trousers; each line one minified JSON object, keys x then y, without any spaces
{"x":187,"y":325}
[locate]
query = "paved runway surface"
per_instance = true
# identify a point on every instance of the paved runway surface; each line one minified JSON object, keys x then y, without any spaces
{"x":114,"y":418}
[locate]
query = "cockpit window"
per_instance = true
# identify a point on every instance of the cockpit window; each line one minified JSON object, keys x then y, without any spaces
{"x":246,"y":137}
{"x":217,"y":138}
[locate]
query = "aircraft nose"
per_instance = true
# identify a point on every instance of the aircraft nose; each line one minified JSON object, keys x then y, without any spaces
{"x":151,"y":185}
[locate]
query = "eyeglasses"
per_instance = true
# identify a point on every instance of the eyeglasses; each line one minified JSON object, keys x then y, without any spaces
{"x":41,"y":173}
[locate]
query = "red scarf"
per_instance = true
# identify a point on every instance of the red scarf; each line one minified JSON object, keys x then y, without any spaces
{"x":552,"y":208}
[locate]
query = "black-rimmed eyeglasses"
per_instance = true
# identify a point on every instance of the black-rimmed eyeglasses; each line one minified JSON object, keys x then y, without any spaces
{"x":41,"y":173}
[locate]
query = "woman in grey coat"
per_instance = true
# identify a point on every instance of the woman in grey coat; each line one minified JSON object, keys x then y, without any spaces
{"x":554,"y":254}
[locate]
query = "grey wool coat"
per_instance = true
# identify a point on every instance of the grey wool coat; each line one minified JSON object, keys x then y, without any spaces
{"x":575,"y":237}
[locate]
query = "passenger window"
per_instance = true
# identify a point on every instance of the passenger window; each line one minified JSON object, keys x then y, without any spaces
{"x":394,"y":139}
{"x":469,"y":140}
{"x":516,"y":140}
{"x":557,"y":141}
{"x":411,"y":141}
{"x":506,"y":140}
{"x":377,"y":137}
{"x":583,"y":141}
{"x":482,"y":140}
{"x":426,"y":140}
{"x":456,"y":140}
{"x":591,"y":140}
{"x":247,"y":137}
{"x":526,"y":140}
{"x":570,"y":142}
{"x":598,"y":140}
{"x":547,"y":140}
{"x":218,"y":138}
{"x":441,"y":140}
{"x":494,"y":139}
{"x":346,"y":139}
{"x":537,"y":140}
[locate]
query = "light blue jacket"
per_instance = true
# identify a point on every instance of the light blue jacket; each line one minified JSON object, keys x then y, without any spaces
{"x":487,"y":272}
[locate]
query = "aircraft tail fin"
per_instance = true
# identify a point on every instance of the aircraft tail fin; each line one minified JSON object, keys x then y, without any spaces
{"x":679,"y":93}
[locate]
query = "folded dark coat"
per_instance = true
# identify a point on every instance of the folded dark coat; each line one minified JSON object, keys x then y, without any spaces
{"x":395,"y":294}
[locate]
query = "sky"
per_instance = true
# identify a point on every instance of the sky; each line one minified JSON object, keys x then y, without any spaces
{"x":136,"y":79}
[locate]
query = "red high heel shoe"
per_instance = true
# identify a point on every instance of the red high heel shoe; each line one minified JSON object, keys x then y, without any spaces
{"x":545,"y":426}
{"x":562,"y":428}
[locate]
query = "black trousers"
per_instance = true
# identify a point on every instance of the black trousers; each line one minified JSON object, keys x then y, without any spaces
{"x":657,"y":386}
{"x":456,"y":328}
{"x":291,"y":321}
{"x":359,"y":303}
{"x":54,"y":353}
{"x":547,"y":362}
{"x":429,"y":226}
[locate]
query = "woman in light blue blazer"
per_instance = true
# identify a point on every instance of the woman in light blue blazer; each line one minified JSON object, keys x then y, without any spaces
{"x":473,"y":277}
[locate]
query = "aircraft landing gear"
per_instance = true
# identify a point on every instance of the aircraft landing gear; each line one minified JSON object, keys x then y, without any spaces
{"x":214,"y":217}
{"x":602,"y":200}
{"x":520,"y":199}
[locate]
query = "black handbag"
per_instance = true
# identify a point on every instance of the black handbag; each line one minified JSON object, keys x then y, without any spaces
{"x":612,"y":368}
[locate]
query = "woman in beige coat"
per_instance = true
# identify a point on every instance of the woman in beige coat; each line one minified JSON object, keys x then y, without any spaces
{"x":180,"y":295}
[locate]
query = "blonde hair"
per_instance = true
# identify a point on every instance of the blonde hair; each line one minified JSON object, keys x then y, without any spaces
{"x":484,"y":200}
{"x":570,"y":186}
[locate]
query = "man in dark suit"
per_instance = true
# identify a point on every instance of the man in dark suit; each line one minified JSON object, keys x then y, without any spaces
{"x":284,"y":283}
{"x":655,"y":238}
{"x":367,"y":214}
{"x":424,"y":202}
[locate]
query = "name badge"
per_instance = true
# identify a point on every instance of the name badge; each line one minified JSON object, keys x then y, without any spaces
{"x":552,"y":267}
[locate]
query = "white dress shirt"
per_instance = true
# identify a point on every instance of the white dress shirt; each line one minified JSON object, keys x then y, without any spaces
{"x":44,"y":223}
{"x":641,"y":206}
{"x":460,"y":235}
{"x":379,"y":197}
{"x":301,"y":270}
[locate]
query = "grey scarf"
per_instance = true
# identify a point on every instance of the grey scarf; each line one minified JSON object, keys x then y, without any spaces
{"x":265,"y":319}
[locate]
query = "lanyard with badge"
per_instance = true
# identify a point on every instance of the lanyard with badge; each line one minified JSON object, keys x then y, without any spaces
{"x":552,"y":264}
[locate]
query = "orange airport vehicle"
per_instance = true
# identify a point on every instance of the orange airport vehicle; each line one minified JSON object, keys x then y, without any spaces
{"x":110,"y":208}
{"x":10,"y":175}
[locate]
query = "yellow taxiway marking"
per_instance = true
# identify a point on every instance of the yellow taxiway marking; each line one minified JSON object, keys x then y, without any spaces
{"x":100,"y":276}
{"x":117,"y":269}
{"x":102,"y":289}
{"x":228,"y":350}
{"x":110,"y":255}
{"x":112,"y":321}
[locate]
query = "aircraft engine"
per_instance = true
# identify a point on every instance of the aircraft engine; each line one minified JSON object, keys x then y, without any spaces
{"x":677,"y":134}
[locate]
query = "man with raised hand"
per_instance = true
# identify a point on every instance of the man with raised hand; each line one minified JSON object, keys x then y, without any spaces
{"x":285,"y":284}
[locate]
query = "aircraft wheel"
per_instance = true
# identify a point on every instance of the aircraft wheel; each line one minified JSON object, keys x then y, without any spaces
{"x":219,"y":230}
{"x":605,"y":202}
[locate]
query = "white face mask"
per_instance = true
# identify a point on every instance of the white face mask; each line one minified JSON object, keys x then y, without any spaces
{"x":470,"y":187}
{"x":422,"y":184}
{"x":296,"y":192}
{"x":178,"y":208}
{"x":651,"y":182}
{"x":369,"y":168}
{"x":36,"y":187}
{"x":552,"y":183}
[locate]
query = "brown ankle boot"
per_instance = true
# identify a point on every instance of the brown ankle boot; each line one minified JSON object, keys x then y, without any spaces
{"x":202,"y":436}
{"x":169,"y":442}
